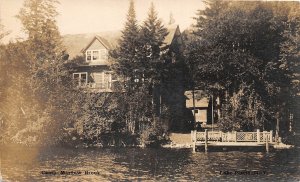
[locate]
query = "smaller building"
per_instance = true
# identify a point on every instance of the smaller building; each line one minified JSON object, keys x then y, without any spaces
{"x":203,"y":107}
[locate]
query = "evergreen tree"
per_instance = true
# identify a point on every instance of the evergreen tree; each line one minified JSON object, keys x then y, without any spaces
{"x":38,"y":20}
{"x":44,"y":47}
{"x":237,"y":53}
{"x":136,"y":60}
{"x":39,"y":99}
{"x":151,"y":39}
{"x":125,"y":64}
{"x":125,"y":55}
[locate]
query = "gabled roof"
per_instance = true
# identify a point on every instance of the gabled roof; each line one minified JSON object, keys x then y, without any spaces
{"x":103,"y":41}
{"x":201,"y":98}
{"x":77,"y":43}
{"x":173,"y":32}
{"x":74,"y":43}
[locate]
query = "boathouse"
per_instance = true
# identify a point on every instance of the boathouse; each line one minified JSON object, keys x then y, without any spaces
{"x":204,"y":107}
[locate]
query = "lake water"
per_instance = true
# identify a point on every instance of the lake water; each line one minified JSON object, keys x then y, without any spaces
{"x":136,"y":164}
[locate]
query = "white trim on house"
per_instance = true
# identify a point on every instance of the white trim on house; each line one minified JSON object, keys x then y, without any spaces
{"x":101,"y":83}
{"x":104,"y":81}
{"x":102,"y":55}
{"x":101,"y":40}
{"x":80,"y":77}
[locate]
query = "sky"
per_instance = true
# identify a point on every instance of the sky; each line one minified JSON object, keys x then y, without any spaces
{"x":88,"y":16}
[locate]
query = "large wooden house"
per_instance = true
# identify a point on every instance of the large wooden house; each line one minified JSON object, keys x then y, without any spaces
{"x":93,"y":72}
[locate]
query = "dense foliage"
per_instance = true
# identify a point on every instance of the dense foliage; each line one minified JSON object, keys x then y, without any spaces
{"x":137,"y":60}
{"x":240,"y":54}
{"x":245,"y":53}
{"x":37,"y":90}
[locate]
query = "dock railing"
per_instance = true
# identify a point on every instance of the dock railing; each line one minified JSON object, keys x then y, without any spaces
{"x":219,"y":136}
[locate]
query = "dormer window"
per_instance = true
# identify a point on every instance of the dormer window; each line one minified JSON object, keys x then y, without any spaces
{"x":95,"y":55}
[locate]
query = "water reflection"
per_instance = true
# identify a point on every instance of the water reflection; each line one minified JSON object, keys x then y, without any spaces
{"x":27,"y":164}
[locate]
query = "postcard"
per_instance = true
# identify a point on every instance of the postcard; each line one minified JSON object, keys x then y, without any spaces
{"x":149,"y":90}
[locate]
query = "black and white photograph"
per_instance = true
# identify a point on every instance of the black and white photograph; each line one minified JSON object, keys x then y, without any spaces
{"x":149,"y":90}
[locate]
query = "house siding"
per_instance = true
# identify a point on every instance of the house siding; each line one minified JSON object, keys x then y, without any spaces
{"x":96,"y":45}
{"x":172,"y":98}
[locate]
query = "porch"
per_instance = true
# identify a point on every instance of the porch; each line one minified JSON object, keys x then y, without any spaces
{"x":97,"y":87}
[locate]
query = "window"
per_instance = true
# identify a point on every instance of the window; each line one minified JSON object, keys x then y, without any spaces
{"x":75,"y":76}
{"x":88,"y":55}
{"x":95,"y":55}
{"x":81,"y":78}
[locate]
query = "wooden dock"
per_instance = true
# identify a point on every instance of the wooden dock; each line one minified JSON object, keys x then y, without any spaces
{"x":232,"y":139}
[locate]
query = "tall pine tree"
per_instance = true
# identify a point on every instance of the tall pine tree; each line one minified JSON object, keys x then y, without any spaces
{"x":125,"y":55}
{"x":151,"y":39}
{"x":41,"y":97}
{"x":136,"y":60}
{"x":39,"y":23}
{"x":126,"y":63}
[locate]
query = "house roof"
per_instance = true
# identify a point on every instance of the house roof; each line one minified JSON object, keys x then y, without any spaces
{"x":103,"y":41}
{"x":75,"y":44}
{"x":201,"y":98}
{"x":173,"y":30}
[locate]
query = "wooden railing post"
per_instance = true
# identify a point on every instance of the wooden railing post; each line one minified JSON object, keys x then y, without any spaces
{"x":271,"y":136}
{"x":222,"y":137}
{"x":194,"y":139}
{"x":206,"y":138}
{"x":258,"y":135}
{"x":267,"y":143}
{"x":235,"y":136}
{"x":227,"y":137}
